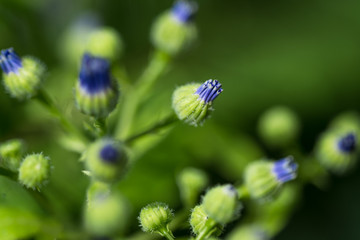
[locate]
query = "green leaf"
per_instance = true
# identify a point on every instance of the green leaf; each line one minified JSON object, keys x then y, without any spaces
{"x":17,"y":223}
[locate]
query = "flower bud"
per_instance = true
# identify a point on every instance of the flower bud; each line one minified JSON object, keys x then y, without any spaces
{"x":200,"y":221}
{"x":264,"y":178}
{"x":337,"y":151}
{"x":248,"y":232}
{"x":192,"y":102}
{"x":106,"y":160}
{"x":11,"y":153}
{"x":96,"y":93}
{"x":34,"y":171}
{"x":221,"y":204}
{"x":347,"y":122}
{"x":279,"y":127}
{"x":105,"y":214}
{"x":22,"y":76}
{"x":173,"y":31}
{"x":106,"y":43}
{"x":156,"y":217}
{"x":191,"y":182}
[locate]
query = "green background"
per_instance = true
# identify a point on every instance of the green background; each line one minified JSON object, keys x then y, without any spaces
{"x":302,"y":54}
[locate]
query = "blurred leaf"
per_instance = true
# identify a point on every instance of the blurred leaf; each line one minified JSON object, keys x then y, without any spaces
{"x":17,"y":224}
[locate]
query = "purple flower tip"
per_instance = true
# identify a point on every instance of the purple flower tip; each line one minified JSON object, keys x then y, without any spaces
{"x":347,"y":144}
{"x":285,"y":169}
{"x":10,"y":61}
{"x":209,"y":90}
{"x":184,"y":11}
{"x":94,"y":74}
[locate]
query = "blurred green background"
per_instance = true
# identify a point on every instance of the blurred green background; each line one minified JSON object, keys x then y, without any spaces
{"x":302,"y":54}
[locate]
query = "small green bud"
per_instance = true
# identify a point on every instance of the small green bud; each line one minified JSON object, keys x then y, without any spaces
{"x":264,"y":178}
{"x":200,"y":222}
{"x":156,"y":217}
{"x":11,"y":153}
{"x":221,"y":204}
{"x":106,"y":159}
{"x":338,"y":151}
{"x":248,"y":232}
{"x":174,"y":31}
{"x":22,"y":76}
{"x":34,"y":171}
{"x":105,"y":42}
{"x":105,"y":214}
{"x":279,"y":127}
{"x":191,"y":182}
{"x":192,"y":103}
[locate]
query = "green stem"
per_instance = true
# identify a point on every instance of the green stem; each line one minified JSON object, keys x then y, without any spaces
{"x":135,"y":95}
{"x":209,"y":229}
{"x":165,"y":232}
{"x":243,"y":192}
{"x":163,"y":123}
{"x":44,"y":98}
{"x":100,"y":126}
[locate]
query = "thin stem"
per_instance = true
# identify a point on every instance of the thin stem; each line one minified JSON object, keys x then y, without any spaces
{"x":164,"y":123}
{"x":44,"y":98}
{"x":243,"y":192}
{"x":165,"y":232}
{"x":135,"y":95}
{"x":209,"y":229}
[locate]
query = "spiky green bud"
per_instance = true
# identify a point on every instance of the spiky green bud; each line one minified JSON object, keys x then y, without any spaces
{"x":221,"y":204}
{"x":279,"y":127}
{"x":155,"y":218}
{"x":200,"y":222}
{"x":191,"y":182}
{"x":11,"y":153}
{"x":106,"y":159}
{"x":105,"y":42}
{"x":34,"y":171}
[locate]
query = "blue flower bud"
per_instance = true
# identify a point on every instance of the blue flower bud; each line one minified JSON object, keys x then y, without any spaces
{"x":337,"y":151}
{"x":22,"y":77}
{"x":193,"y":102}
{"x":173,"y":31}
{"x":96,"y":93}
{"x":279,"y":127}
{"x":264,"y":178}
{"x":221,"y":204}
{"x":106,"y":160}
